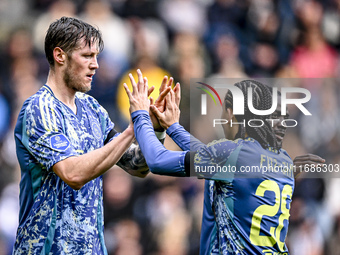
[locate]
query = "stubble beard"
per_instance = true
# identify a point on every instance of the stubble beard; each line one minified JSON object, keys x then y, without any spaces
{"x":72,"y":83}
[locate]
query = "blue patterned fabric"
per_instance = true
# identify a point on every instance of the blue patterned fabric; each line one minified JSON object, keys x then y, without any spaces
{"x":54,"y":218}
{"x":245,"y":212}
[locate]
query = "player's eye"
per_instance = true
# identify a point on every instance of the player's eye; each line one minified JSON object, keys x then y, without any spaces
{"x":88,"y":55}
{"x":275,"y":116}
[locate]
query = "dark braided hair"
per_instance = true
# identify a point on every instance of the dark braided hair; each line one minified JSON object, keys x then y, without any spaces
{"x":262,"y":100}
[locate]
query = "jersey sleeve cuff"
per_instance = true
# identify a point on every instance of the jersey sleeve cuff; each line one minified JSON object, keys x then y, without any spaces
{"x":139,"y":112}
{"x":172,"y":128}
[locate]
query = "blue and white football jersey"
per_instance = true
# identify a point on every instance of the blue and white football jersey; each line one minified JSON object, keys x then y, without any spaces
{"x":54,"y":218}
{"x":246,"y":208}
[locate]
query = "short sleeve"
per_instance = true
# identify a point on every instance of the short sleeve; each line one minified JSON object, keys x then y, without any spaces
{"x":106,"y":124}
{"x":42,"y":134}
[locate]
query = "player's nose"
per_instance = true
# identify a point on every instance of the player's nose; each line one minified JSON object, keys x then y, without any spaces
{"x":94,"y":63}
{"x":281,"y":122}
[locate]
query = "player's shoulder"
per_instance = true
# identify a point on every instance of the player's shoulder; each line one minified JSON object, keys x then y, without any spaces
{"x":250,"y":141}
{"x":225,"y":142}
{"x":43,"y":98}
{"x":221,"y":148}
{"x":88,"y":100}
{"x":284,"y":153}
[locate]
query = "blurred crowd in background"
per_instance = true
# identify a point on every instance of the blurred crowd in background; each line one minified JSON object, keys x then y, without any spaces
{"x":184,"y":39}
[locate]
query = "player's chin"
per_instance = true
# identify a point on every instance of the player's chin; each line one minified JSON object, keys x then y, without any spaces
{"x":279,"y":143}
{"x":85,"y":87}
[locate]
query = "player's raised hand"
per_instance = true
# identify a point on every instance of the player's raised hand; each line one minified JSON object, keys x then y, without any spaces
{"x":160,"y":102}
{"x":139,"y":96}
{"x":307,"y":159}
{"x":163,"y":91}
{"x":177,"y":90}
{"x":171,"y":113}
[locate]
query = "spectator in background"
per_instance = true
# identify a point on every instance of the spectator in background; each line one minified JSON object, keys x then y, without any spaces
{"x":19,"y":74}
{"x":127,"y":236}
{"x":19,"y":49}
{"x":313,"y":57}
{"x":180,"y":16}
{"x":265,"y":60}
{"x":226,"y":52}
{"x":116,"y":35}
{"x":330,"y":25}
{"x":55,"y":9}
{"x":118,"y":196}
{"x":150,"y":42}
{"x":122,"y":232}
{"x":115,"y":58}
{"x":5,"y":117}
{"x":333,"y":245}
{"x":172,"y":222}
{"x":9,"y":209}
{"x":227,"y":17}
{"x":306,"y":237}
{"x":228,"y":12}
{"x":262,"y":21}
{"x":187,"y":59}
{"x":13,"y":13}
{"x":140,"y":9}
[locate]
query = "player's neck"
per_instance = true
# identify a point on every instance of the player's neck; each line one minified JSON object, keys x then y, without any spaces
{"x":61,"y":91}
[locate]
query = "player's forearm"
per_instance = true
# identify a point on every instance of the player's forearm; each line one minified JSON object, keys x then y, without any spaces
{"x":183,"y":138}
{"x":133,"y":160}
{"x":77,"y":171}
{"x":159,"y":159}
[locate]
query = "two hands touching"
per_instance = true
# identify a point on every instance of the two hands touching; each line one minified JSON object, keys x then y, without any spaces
{"x":165,"y":110}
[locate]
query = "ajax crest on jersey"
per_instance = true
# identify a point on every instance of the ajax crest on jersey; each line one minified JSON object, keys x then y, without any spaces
{"x":97,"y":132}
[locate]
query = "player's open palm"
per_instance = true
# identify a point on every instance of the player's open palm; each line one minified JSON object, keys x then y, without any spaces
{"x":163,"y":91}
{"x":171,"y":112}
{"x":140,"y":91}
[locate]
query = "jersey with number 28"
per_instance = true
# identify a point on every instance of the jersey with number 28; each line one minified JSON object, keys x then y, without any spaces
{"x":246,"y":208}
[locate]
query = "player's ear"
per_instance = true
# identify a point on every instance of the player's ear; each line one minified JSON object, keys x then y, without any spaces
{"x":230,"y":113}
{"x":59,"y":55}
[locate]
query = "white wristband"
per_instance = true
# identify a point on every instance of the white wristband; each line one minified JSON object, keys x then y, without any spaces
{"x":160,"y":135}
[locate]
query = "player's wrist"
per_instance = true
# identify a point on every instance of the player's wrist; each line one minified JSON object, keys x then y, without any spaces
{"x":160,"y":134}
{"x":129,"y":130}
{"x":158,"y":127}
{"x":169,"y":124}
